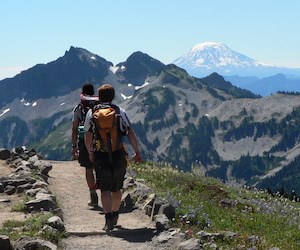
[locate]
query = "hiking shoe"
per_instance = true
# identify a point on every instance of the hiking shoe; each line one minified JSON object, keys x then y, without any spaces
{"x":115,"y":219}
{"x":94,"y":200}
{"x":109,"y":224}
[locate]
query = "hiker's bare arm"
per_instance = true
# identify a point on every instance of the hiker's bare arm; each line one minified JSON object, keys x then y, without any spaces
{"x":134,"y":143}
{"x":88,"y":140}
{"x":75,"y":125}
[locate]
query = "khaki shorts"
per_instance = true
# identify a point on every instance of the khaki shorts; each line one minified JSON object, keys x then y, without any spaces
{"x":110,"y":176}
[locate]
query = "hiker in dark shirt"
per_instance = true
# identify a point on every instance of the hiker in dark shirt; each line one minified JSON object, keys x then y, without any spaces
{"x":106,"y":150}
{"x":79,"y":151}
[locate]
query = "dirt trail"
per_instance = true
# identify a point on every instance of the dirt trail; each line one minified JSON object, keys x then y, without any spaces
{"x":67,"y":182}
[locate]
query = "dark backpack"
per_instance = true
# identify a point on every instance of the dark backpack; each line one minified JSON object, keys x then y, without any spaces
{"x":86,"y":103}
{"x":109,"y":128}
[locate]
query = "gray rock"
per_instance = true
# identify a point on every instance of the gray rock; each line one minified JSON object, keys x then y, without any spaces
{"x":15,"y":161}
{"x":22,"y":188}
{"x":19,"y":150}
{"x":40,"y":205}
{"x":5,"y":200}
{"x":230,"y":235}
{"x":209,"y":236}
{"x":156,"y":206}
{"x":139,"y":193}
{"x":148,"y":210}
{"x":56,"y":222}
{"x":210,"y":246}
{"x":228,"y":203}
{"x":48,"y":229}
{"x":27,"y":243}
{"x":9,"y":190}
{"x":15,"y":182}
{"x":42,"y":196}
{"x":33,"y":159}
{"x":190,"y":244}
{"x":32,"y":192}
{"x":253,"y":239}
{"x":162,"y":222}
{"x":40,"y":184}
{"x":4,"y":154}
{"x":128,"y":182}
{"x":149,"y":201}
{"x":168,"y":210}
{"x":22,"y":168}
{"x":1,"y":188}
{"x":171,"y":238}
{"x":126,"y":201}
{"x":44,"y":166}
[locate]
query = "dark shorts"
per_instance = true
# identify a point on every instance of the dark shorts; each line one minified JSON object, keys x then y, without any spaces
{"x":83,"y":157}
{"x":110,"y":176}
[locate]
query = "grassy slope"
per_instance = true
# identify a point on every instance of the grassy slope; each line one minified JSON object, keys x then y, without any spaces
{"x":274,"y":219}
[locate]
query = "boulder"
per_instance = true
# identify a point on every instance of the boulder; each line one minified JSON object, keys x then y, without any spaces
{"x":4,"y":154}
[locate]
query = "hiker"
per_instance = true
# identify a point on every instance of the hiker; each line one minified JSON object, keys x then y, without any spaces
{"x":79,"y":151}
{"x":105,"y":145}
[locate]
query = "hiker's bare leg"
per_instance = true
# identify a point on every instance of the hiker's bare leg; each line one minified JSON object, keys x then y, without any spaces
{"x":90,"y":179}
{"x":107,"y":201}
{"x":116,"y":197}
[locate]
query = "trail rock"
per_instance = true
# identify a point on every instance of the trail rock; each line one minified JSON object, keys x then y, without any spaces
{"x":56,"y":222}
{"x":4,"y":154}
{"x":168,"y":210}
{"x":40,"y":204}
{"x":162,"y":222}
{"x":27,"y":243}
{"x":44,"y":166}
{"x":9,"y":190}
{"x":191,"y":244}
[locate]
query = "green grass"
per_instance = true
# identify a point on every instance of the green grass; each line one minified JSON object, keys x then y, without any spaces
{"x":274,"y":219}
{"x":20,"y":206}
{"x":30,"y":227}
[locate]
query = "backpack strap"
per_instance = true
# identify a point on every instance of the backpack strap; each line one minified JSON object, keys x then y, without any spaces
{"x":119,"y":135}
{"x":96,"y":126}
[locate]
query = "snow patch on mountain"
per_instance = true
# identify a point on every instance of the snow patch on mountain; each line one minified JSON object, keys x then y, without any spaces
{"x":125,"y":97}
{"x":142,"y":86}
{"x":4,"y":111}
{"x":114,"y":69}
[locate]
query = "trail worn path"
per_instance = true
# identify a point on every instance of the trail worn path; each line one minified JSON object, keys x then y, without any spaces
{"x":84,"y":225}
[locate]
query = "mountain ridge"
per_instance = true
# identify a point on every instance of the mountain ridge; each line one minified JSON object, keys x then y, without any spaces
{"x":188,"y":121}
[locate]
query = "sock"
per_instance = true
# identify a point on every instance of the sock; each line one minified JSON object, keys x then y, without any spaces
{"x":108,"y":215}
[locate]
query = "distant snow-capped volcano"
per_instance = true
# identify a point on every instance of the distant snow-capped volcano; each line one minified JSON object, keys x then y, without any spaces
{"x":208,"y":57}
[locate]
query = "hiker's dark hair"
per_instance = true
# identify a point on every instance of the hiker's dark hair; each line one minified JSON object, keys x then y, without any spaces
{"x":88,"y":89}
{"x":106,"y":93}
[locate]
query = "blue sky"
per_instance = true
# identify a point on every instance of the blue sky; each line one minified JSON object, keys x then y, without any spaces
{"x":35,"y":31}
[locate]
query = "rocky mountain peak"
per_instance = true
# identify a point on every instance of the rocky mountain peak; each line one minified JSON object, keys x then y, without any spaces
{"x":140,"y":65}
{"x":83,"y":55}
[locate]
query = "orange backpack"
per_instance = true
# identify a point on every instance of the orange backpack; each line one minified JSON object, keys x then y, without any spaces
{"x":107,"y":128}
